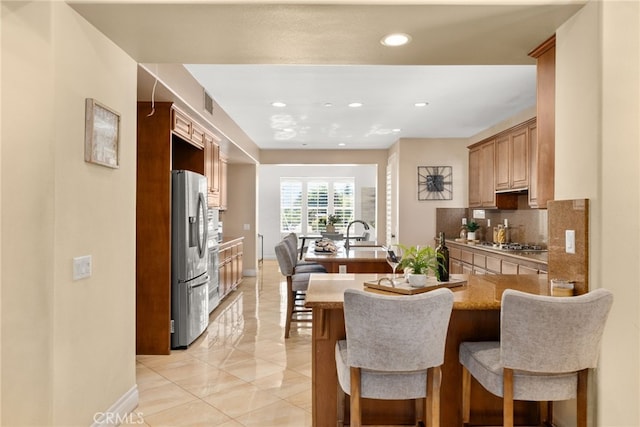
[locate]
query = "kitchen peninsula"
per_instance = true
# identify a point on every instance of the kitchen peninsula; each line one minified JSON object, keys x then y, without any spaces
{"x":358,"y":259}
{"x":475,"y":317}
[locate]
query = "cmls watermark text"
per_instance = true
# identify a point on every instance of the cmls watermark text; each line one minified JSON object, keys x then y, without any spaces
{"x":113,"y":418}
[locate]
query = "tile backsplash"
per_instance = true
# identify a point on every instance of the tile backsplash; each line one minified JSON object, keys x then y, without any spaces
{"x":526,"y":225}
{"x":540,"y":226}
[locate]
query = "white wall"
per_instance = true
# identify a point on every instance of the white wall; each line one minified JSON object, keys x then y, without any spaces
{"x":417,"y":219}
{"x":269,"y":195}
{"x":68,"y":347}
{"x":597,"y":157}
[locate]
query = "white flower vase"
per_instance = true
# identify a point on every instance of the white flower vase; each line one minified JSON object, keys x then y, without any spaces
{"x":417,"y":280}
{"x":471,"y":235}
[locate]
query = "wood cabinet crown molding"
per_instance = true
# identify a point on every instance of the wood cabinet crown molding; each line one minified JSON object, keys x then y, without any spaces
{"x":544,"y":47}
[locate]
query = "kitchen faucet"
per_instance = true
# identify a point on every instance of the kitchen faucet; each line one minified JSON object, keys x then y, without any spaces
{"x":346,"y":243}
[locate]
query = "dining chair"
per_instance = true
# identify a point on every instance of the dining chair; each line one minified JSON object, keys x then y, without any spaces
{"x":301,"y":266}
{"x":297,"y":284}
{"x":394,"y":349}
{"x":547,"y":346}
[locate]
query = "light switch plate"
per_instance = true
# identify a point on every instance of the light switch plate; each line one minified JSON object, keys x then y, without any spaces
{"x":81,"y":267}
{"x":570,"y":241}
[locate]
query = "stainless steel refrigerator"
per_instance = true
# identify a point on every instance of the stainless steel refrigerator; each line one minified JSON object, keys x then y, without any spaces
{"x":189,"y":257}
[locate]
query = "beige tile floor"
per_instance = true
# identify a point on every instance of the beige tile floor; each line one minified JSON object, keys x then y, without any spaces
{"x":240,"y":372}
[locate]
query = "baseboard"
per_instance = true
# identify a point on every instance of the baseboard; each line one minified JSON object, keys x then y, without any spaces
{"x":121,"y":412}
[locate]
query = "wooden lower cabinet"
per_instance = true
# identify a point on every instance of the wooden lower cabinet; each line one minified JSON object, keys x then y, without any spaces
{"x":466,"y":260}
{"x":230,"y":265}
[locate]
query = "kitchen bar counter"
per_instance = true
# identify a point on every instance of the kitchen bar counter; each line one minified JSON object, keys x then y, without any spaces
{"x":475,"y":317}
{"x":313,"y":237}
{"x":362,"y":259}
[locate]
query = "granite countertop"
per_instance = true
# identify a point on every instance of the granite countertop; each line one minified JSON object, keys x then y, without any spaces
{"x":537,"y":256}
{"x":362,"y":253}
{"x":482,"y":292}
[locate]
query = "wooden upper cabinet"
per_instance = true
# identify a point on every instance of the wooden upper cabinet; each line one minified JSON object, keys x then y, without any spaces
{"x":519,"y":160}
{"x":475,"y":160}
{"x":487,"y":177}
{"x":545,"y":55}
{"x":197,"y":135}
{"x":512,"y":159}
{"x":223,"y":183}
{"x":187,"y":129}
{"x":212,"y":169}
{"x":482,"y":180}
{"x":503,"y":163}
{"x":180,"y":124}
{"x":533,"y":166}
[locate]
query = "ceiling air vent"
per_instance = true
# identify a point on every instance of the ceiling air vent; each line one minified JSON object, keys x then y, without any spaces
{"x":208,"y":102}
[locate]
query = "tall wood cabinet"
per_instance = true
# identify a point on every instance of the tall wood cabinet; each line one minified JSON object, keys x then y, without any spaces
{"x":167,"y":139}
{"x":545,"y":55}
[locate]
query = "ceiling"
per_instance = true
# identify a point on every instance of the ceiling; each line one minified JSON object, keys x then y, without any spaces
{"x":468,"y":60}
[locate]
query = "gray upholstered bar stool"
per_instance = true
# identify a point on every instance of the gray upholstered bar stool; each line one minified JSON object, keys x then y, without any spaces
{"x":301,"y":266}
{"x":394,"y":349}
{"x":297,"y":284}
{"x":547,"y":345}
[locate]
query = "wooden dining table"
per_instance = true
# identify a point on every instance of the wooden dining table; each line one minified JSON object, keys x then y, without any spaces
{"x":475,"y":317}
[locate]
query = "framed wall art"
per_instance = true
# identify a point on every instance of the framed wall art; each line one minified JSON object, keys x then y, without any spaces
{"x":101,"y":134}
{"x":435,"y":183}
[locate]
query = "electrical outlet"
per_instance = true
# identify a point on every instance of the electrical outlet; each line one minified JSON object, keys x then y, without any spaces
{"x":479,"y":214}
{"x":81,"y":267}
{"x":570,"y":241}
{"x":247,"y":227}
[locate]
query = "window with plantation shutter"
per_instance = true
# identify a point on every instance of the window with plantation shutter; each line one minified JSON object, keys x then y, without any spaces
{"x":317,"y":205}
{"x":314,"y":199}
{"x":291,"y":206}
{"x":343,"y":203}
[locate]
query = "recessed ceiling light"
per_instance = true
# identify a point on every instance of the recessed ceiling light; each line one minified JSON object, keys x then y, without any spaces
{"x":342,"y":144}
{"x":396,"y":130}
{"x":421,"y":104}
{"x":328,"y":104}
{"x":355,"y":104}
{"x":396,"y":39}
{"x":278,"y":104}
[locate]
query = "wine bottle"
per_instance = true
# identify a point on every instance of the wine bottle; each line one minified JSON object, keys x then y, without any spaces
{"x":442,"y":254}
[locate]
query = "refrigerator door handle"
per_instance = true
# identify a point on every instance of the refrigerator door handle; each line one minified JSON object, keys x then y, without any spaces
{"x":190,"y":290}
{"x":201,"y":225}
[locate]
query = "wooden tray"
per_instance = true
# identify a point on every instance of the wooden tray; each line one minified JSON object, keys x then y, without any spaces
{"x":384,"y":284}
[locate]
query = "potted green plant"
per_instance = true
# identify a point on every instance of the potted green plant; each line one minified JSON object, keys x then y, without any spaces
{"x":417,"y":262}
{"x":472,"y":227}
{"x":332,"y":220}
